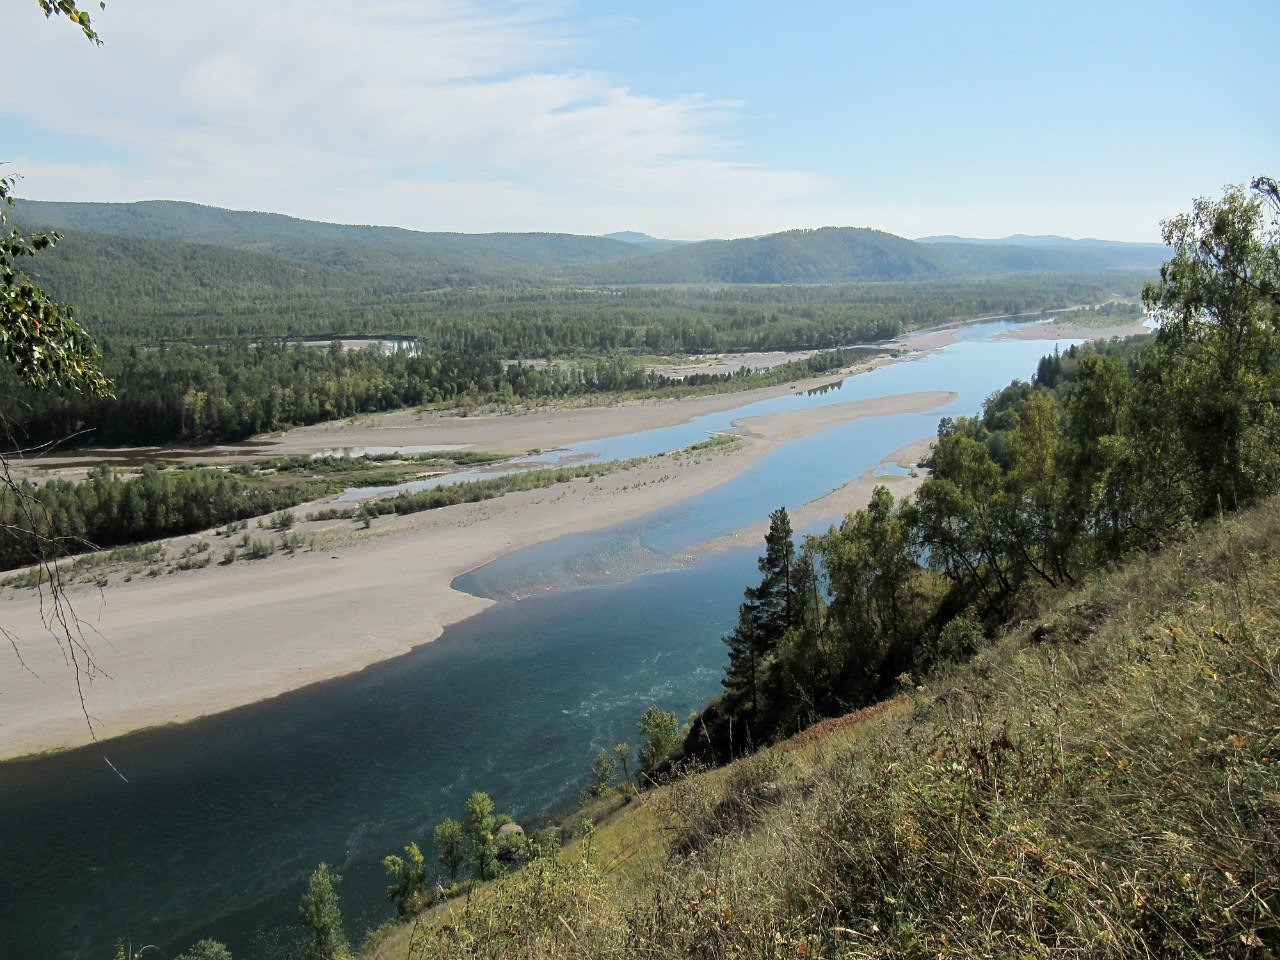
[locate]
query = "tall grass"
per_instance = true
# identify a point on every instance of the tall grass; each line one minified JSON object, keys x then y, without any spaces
{"x":1101,"y":782}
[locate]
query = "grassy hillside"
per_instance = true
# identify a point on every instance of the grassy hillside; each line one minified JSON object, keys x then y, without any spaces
{"x":1100,"y":782}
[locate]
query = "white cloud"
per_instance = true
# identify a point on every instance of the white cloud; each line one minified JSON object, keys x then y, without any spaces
{"x":442,"y":114}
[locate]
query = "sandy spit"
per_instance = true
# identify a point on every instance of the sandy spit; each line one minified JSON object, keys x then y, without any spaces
{"x":1051,"y":330}
{"x":176,"y":647}
{"x":1040,"y":330}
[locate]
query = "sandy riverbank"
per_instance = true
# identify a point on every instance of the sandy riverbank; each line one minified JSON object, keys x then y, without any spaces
{"x":180,"y":646}
{"x":854,"y":495}
{"x":1040,"y":330}
{"x":542,"y":428}
{"x":1056,"y":330}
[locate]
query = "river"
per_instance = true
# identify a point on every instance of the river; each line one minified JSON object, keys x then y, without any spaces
{"x":221,"y":820}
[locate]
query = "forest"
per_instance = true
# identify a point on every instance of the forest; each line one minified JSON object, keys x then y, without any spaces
{"x":229,"y":386}
{"x":388,"y":260}
{"x":190,"y":394}
{"x":208,"y":321}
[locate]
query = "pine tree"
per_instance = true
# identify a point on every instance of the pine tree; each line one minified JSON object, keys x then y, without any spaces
{"x":767,"y":613}
{"x":321,"y":917}
{"x":776,"y":593}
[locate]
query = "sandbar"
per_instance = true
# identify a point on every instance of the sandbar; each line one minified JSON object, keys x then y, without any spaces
{"x":518,"y":432}
{"x":1049,"y":329}
{"x":171,"y":648}
{"x":1061,"y":330}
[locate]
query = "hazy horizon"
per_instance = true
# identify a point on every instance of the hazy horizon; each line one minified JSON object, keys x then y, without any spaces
{"x":608,"y":234}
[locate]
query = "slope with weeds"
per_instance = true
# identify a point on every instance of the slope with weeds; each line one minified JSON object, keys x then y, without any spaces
{"x":1101,"y":782}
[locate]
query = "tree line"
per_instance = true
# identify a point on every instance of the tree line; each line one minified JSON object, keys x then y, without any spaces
{"x":107,"y":509}
{"x":130,"y":290}
{"x":1110,"y":450}
{"x":186,"y":393}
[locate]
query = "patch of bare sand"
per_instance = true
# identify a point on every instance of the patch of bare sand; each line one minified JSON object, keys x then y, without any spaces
{"x":930,"y":340}
{"x":181,"y":646}
{"x":537,"y":429}
{"x":1052,"y":330}
{"x":730,"y":362}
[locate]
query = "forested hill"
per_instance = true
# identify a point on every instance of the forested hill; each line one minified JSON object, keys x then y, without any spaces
{"x":854,"y":254}
{"x":829,"y":255}
{"x":388,"y":254}
{"x":650,"y":244}
{"x":393,"y":260}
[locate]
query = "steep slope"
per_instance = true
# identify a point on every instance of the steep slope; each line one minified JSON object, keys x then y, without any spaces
{"x":1101,"y":782}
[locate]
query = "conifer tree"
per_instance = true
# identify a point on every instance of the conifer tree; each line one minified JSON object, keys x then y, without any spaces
{"x":321,"y":917}
{"x":768,"y":612}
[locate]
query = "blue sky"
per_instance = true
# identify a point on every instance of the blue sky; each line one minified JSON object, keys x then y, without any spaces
{"x":688,"y":119}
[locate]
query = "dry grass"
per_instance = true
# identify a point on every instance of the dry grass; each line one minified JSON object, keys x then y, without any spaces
{"x":1102,"y":782}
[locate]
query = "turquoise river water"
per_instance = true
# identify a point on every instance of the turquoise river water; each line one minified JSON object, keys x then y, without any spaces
{"x":221,"y":820}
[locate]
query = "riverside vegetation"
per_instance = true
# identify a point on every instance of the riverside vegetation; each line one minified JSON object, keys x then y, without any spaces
{"x":1061,"y":660}
{"x":60,"y":518}
{"x":1050,"y":685}
{"x":108,"y":509}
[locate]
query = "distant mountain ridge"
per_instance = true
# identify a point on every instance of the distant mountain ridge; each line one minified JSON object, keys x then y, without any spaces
{"x":646,"y":241}
{"x":395,"y":259}
{"x":1137,"y":254}
{"x":434,"y":257}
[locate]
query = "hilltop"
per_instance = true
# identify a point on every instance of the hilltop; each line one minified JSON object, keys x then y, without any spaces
{"x":1140,"y":254}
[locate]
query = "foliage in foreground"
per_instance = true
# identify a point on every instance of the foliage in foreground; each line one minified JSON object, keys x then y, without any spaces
{"x":1118,"y":450}
{"x":1101,"y":782}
